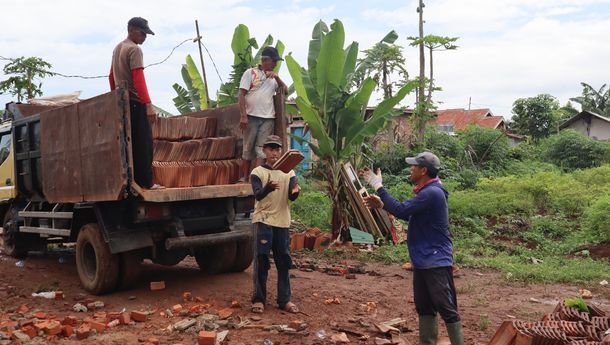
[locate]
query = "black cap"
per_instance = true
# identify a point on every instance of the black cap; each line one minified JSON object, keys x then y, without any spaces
{"x":425,"y":159}
{"x":272,"y":53}
{"x":140,"y":23}
{"x":273,"y":140}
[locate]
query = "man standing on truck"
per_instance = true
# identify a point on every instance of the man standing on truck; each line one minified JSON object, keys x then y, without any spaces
{"x":256,"y":107}
{"x":271,"y":220}
{"x":429,"y":243}
{"x":128,"y":67}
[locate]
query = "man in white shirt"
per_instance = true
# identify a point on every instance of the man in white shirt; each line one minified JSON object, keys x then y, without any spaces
{"x":256,"y":90}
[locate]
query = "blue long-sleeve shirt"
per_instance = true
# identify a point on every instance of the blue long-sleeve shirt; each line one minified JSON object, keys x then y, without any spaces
{"x":429,"y":240}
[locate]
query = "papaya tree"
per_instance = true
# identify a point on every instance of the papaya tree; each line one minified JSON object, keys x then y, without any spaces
{"x":243,"y":48}
{"x":334,"y":112}
{"x":193,"y":97}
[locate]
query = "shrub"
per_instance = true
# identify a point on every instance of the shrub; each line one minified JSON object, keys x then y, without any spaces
{"x":391,"y":159}
{"x":596,"y":220}
{"x":442,"y":144}
{"x":484,"y":147}
{"x":571,"y":150}
{"x":312,"y":209}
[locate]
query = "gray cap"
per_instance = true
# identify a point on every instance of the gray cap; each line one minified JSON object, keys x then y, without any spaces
{"x":425,"y":159}
{"x":273,"y":140}
{"x":141,"y":24}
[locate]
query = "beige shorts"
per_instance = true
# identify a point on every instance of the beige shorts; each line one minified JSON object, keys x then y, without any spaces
{"x":258,"y":130}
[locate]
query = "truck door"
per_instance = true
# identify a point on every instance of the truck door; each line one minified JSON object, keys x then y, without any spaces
{"x":7,"y":167}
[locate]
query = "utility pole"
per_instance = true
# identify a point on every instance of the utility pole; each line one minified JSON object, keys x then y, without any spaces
{"x":205,"y":80}
{"x":421,"y":121}
{"x":469,"y":102}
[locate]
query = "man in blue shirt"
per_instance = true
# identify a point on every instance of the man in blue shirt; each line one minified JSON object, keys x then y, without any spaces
{"x":429,"y":243}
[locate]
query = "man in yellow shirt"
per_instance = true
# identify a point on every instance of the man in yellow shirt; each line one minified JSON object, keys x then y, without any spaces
{"x":271,"y":220}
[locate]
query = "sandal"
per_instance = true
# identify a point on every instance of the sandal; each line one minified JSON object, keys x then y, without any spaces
{"x":258,"y":308}
{"x":291,"y":308}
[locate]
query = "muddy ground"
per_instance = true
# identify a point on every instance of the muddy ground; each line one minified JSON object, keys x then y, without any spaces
{"x":485,"y":300}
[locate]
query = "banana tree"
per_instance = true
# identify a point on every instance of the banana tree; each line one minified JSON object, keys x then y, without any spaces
{"x":334,"y":113}
{"x":192,"y":97}
{"x":243,"y":45}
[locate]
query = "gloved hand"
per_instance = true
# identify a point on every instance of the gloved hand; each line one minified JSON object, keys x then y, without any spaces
{"x":373,"y":179}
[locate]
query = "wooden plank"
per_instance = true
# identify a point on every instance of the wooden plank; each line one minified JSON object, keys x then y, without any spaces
{"x":60,"y":155}
{"x":46,"y":231}
{"x":194,"y":193}
{"x":354,"y":185}
{"x":281,"y":121}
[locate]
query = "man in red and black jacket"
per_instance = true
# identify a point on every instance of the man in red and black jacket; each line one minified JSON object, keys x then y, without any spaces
{"x":128,"y":67}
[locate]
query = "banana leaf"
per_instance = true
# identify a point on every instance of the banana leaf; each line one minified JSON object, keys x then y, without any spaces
{"x":197,"y":81}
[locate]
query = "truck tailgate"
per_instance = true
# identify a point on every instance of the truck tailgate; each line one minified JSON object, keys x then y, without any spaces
{"x":194,"y":193}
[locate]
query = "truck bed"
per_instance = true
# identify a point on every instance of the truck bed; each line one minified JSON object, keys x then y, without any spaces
{"x":194,"y":193}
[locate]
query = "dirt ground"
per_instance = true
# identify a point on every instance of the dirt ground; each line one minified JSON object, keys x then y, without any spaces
{"x":485,"y":300}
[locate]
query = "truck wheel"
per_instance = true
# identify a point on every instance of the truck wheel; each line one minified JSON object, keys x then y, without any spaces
{"x":243,"y":255}
{"x":216,"y":259}
{"x":130,"y":269}
{"x":13,"y":242}
{"x":98,"y":269}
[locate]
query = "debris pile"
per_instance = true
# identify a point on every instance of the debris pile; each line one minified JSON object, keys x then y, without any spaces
{"x":312,"y":239}
{"x":566,"y":325}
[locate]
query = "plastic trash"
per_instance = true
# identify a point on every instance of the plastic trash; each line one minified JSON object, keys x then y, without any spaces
{"x":20,"y":263}
{"x":45,"y":294}
{"x":321,"y":334}
{"x":267,"y":342}
{"x":113,"y":323}
{"x":79,"y":308}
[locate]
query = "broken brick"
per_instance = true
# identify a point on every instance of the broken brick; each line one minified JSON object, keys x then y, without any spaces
{"x":177,"y":308}
{"x":155,"y":286}
{"x":139,"y":316}
{"x":40,"y":315}
{"x":125,"y":318}
{"x":198,"y":299}
{"x":70,"y":320}
{"x":235,"y":304}
{"x":100,"y":315}
{"x":225,"y":313}
{"x":98,"y":326}
{"x":30,"y":331}
{"x":67,"y":331}
{"x":41,"y":325}
{"x":153,"y":341}
{"x":59,"y":295}
{"x":24,"y":308}
{"x":206,"y":338}
{"x":52,"y":338}
{"x":53,"y":328}
{"x":187,"y":297}
{"x":297,"y":324}
{"x":83,"y":331}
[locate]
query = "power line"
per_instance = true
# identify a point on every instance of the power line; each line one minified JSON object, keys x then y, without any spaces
{"x":213,"y":63}
{"x":102,"y":76}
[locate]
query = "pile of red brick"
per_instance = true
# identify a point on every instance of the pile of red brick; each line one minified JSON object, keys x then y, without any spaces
{"x":312,"y":239}
{"x":187,"y":153}
{"x":23,"y":326}
{"x":564,"y":326}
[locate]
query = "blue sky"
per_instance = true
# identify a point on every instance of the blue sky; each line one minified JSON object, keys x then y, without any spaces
{"x":508,"y":48}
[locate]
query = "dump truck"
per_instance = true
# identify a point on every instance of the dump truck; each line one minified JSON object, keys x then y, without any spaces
{"x":66,"y":176}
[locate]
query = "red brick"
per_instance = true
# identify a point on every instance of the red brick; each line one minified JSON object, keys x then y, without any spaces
{"x":98,"y":326}
{"x":198,"y":299}
{"x":138,"y":316}
{"x":52,"y":338}
{"x":206,"y":338}
{"x":24,"y":308}
{"x":153,"y":341}
{"x":82,"y":332}
{"x":235,"y":304}
{"x":225,"y":313}
{"x":177,"y":308}
{"x":53,"y":328}
{"x":100,"y":315}
{"x":40,"y":315}
{"x":25,"y":323}
{"x":29,"y":330}
{"x":187,"y":297}
{"x":113,"y":316}
{"x":125,"y":319}
{"x":154,"y":286}
{"x":70,"y":320}
{"x":59,"y":295}
{"x":41,"y":325}
{"x":296,"y":324}
{"x":67,"y":331}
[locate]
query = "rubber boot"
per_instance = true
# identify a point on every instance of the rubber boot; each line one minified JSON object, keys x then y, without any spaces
{"x":455,"y":333}
{"x":428,"y":330}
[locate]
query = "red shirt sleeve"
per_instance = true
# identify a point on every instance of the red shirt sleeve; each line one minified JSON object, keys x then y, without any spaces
{"x":140,"y":84}
{"x":111,"y":79}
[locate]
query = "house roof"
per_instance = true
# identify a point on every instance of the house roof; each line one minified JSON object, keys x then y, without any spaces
{"x":462,"y":118}
{"x":580,"y":116}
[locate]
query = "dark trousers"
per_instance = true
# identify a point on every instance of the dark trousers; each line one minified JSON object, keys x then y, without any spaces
{"x":141,"y":145}
{"x":266,"y":239}
{"x":435,"y":292}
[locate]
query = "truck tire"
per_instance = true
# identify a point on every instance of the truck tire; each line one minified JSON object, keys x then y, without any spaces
{"x":216,"y":259}
{"x":97,"y":268}
{"x":130,"y":269}
{"x":243,"y":255}
{"x":18,"y":244}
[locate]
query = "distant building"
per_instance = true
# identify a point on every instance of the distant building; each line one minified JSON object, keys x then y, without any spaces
{"x":453,"y":120}
{"x":594,"y":126}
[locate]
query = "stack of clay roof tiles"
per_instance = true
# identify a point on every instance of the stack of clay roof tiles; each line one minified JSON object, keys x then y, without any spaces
{"x":564,"y":326}
{"x":187,"y":153}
